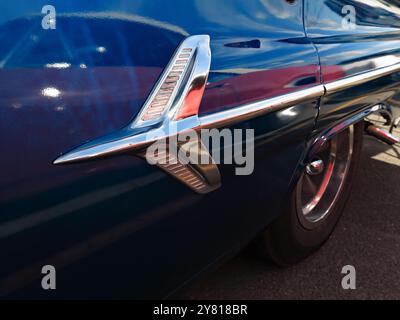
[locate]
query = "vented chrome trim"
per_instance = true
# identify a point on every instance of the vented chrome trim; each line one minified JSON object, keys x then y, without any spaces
{"x":172,"y":107}
{"x":187,"y":71}
{"x":136,"y":140}
{"x":139,"y":140}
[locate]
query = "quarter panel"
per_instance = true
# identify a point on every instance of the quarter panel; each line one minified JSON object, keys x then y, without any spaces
{"x":119,"y":227}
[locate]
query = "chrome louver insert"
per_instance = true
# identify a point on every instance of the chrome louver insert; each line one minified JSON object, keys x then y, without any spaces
{"x":201,"y":178}
{"x":164,"y":93}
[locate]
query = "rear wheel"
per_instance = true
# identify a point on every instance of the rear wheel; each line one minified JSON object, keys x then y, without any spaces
{"x":317,"y":201}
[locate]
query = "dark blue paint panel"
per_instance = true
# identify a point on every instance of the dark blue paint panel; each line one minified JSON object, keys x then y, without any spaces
{"x":119,"y":227}
{"x":159,"y":234}
{"x":372,"y":43}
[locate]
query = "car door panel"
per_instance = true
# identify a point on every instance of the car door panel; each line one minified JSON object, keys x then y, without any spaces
{"x":369,"y":43}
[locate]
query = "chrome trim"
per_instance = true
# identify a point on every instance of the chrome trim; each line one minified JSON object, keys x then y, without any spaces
{"x":338,"y":128}
{"x":135,"y":141}
{"x":358,"y":79}
{"x":252,"y":110}
{"x":142,"y":133}
{"x":315,"y":167}
{"x":187,"y":71}
{"x":201,"y":178}
{"x":171,"y":108}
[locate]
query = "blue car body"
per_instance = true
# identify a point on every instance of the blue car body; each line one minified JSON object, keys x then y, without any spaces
{"x":118,"y":227}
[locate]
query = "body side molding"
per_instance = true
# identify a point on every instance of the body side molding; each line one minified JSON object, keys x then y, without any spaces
{"x":172,"y":107}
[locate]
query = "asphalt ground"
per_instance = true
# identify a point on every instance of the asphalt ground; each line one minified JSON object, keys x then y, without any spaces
{"x":367,"y":237}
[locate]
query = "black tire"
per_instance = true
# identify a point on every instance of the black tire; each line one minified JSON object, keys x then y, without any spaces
{"x":287,"y":241}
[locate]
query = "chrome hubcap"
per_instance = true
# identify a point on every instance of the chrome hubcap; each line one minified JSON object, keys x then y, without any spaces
{"x":323,"y":178}
{"x":315,"y":167}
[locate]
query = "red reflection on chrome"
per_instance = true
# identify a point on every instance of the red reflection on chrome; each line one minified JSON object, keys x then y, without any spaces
{"x":191,"y":104}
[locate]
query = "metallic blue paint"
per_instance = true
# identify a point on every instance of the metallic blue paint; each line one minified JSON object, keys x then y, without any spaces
{"x":373,"y":43}
{"x":119,"y":227}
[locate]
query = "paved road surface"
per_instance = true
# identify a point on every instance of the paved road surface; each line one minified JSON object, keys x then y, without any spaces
{"x":368,"y":237}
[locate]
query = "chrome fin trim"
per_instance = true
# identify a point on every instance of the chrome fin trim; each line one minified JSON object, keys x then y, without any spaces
{"x":171,"y":108}
{"x":187,"y":70}
{"x":135,"y":140}
{"x":175,"y":116}
{"x":168,"y":111}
